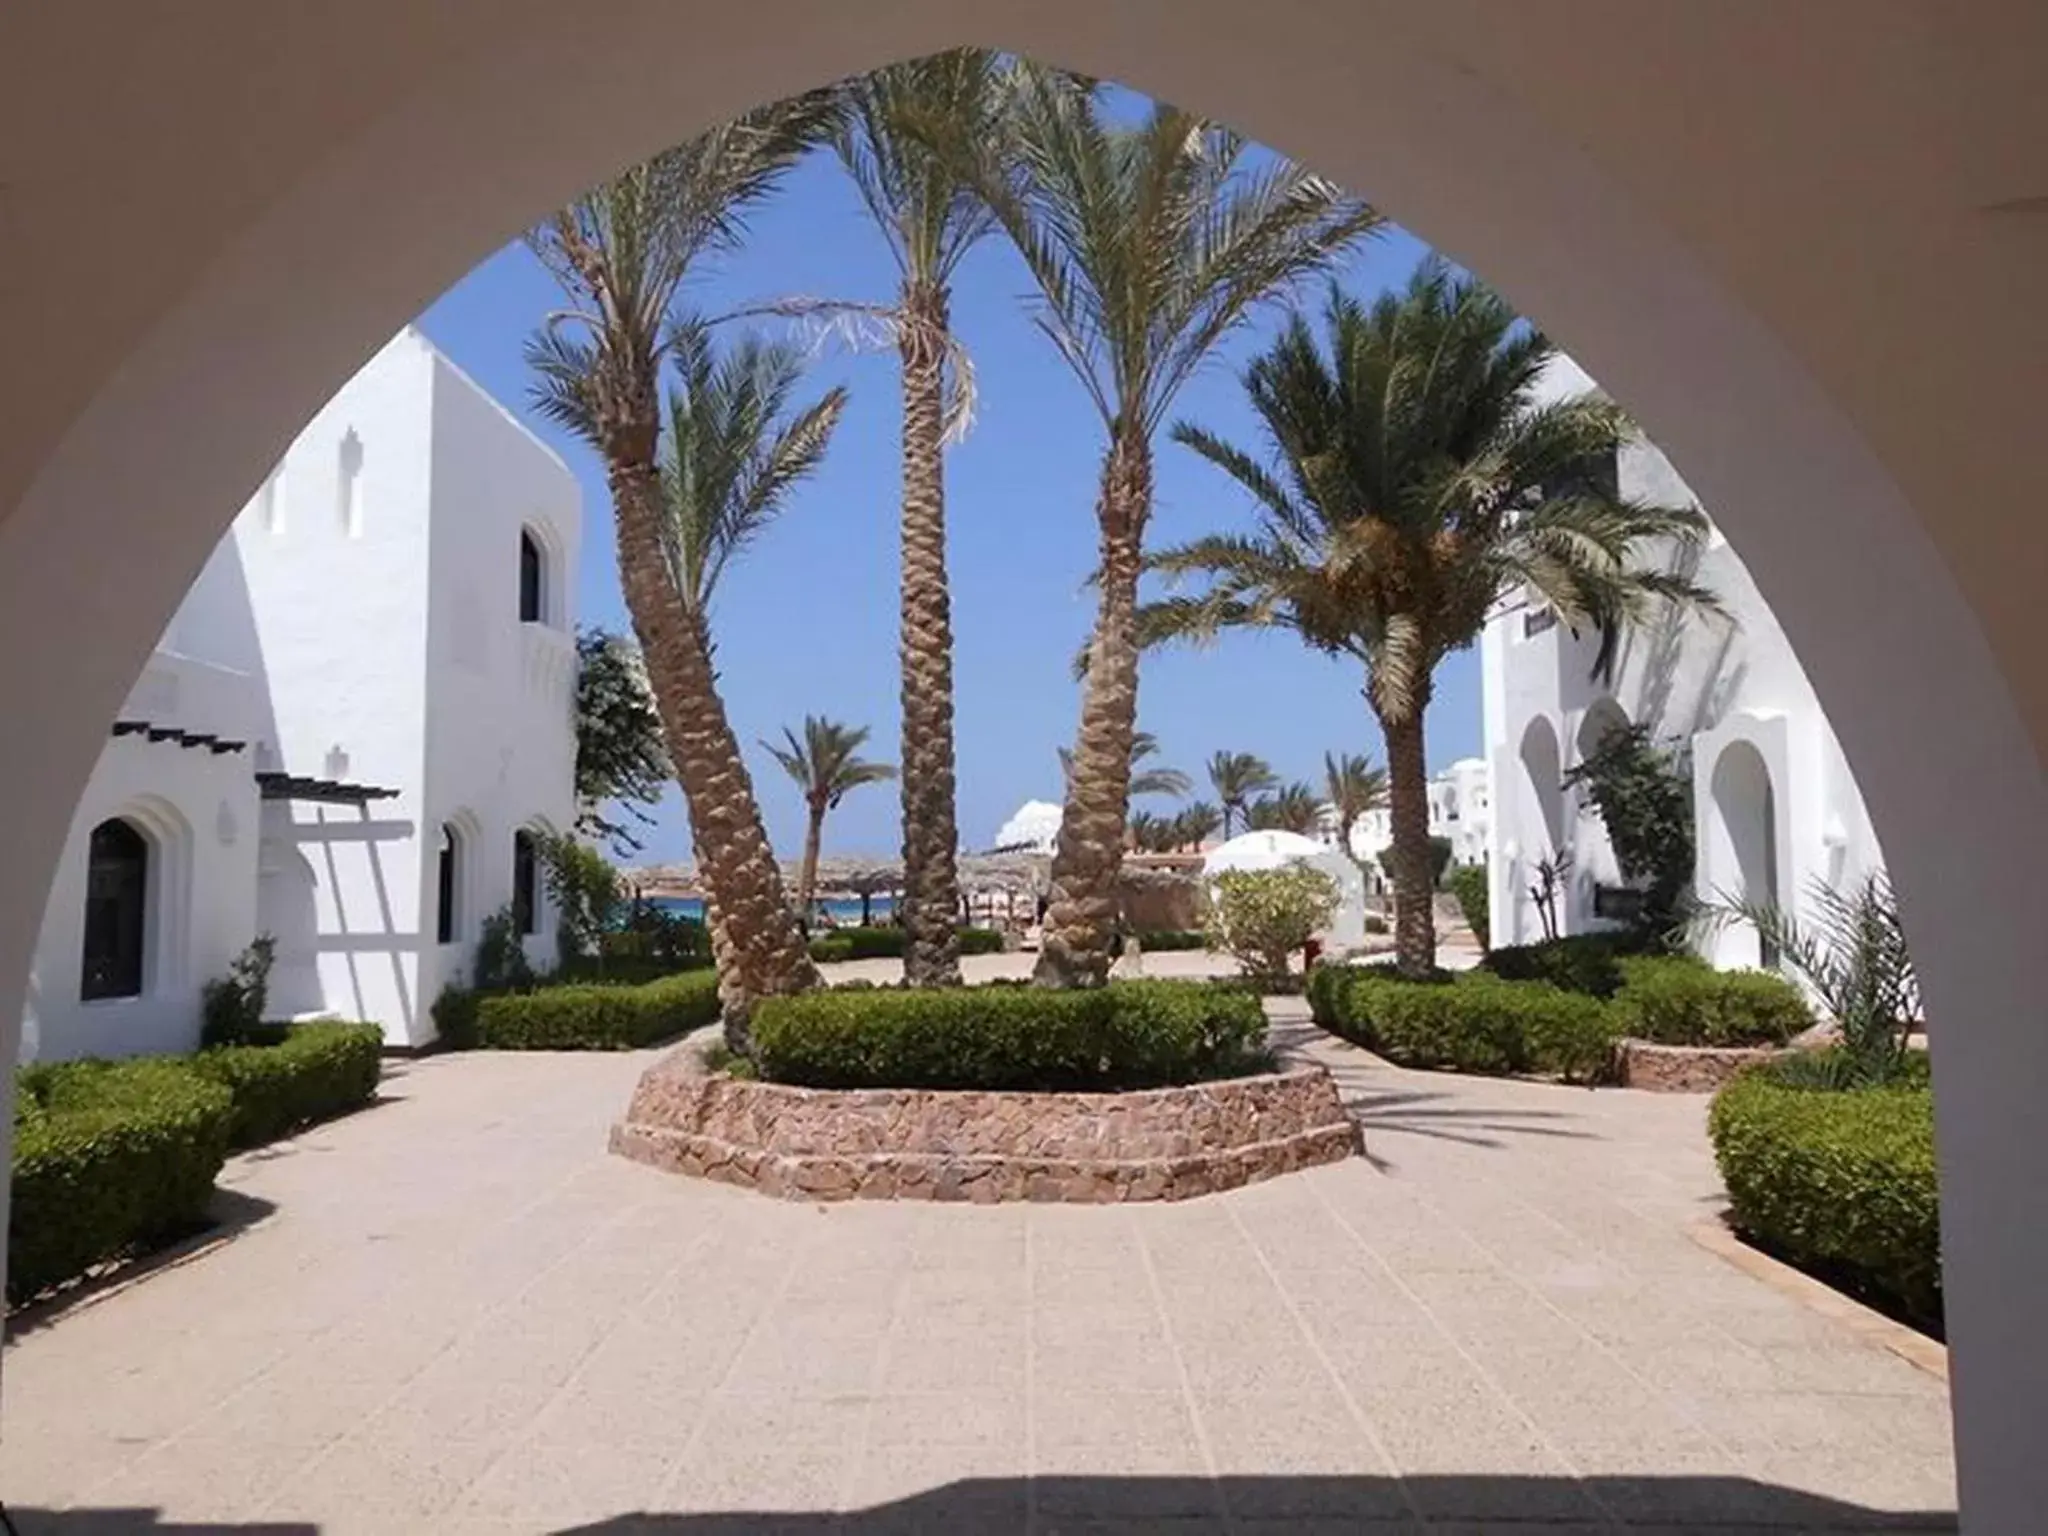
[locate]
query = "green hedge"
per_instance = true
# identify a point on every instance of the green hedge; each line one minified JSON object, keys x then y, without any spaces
{"x":1130,"y":1034}
{"x":1468,"y":884}
{"x":1679,"y":1000}
{"x":316,"y":1072}
{"x":1582,"y":962}
{"x":590,"y":1017}
{"x":109,"y":1157}
{"x":1162,"y":940}
{"x":887,"y":943}
{"x":1841,"y":1183}
{"x":1472,"y":1022}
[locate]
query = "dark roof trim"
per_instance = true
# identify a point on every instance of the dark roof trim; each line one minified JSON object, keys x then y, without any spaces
{"x":214,"y":744}
{"x":292,"y":786}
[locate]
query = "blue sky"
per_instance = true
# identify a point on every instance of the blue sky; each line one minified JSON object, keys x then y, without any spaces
{"x":806,"y":622}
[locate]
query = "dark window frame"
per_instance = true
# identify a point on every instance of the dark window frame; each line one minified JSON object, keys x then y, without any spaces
{"x":525,"y":885}
{"x":533,"y":590}
{"x":114,"y":948}
{"x":447,"y":884}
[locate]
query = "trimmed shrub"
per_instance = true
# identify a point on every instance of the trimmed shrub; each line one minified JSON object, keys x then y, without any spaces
{"x":1163,"y":940}
{"x":1130,"y":1034}
{"x":1839,"y":1183}
{"x":1679,"y":1000}
{"x":316,"y":1072}
{"x":231,"y":1006}
{"x":831,"y":947}
{"x":980,"y":941}
{"x":1580,"y":962}
{"x":585,"y":1016}
{"x":1475,"y":1022}
{"x":454,"y":1013}
{"x":109,"y":1158}
{"x":888,"y":943}
{"x":1468,"y":884}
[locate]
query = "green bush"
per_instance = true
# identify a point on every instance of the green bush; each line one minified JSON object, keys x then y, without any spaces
{"x":1324,"y":987}
{"x":831,"y":947}
{"x":1475,"y":1022}
{"x":316,"y":1072}
{"x":1468,"y":884}
{"x":1376,"y":924}
{"x":1841,"y":1183}
{"x":1581,"y":962}
{"x":109,"y":1158}
{"x":980,"y":941}
{"x":231,"y":1006}
{"x":586,"y":1016}
{"x":454,"y":1014}
{"x":1264,"y":917}
{"x":1678,"y":1000}
{"x":1130,"y":1034}
{"x":1161,"y":940}
{"x":881,"y":942}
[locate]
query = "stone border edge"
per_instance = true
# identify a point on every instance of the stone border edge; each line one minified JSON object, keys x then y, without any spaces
{"x":1909,"y":1344}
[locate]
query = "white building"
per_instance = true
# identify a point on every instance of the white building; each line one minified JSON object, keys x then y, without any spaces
{"x":1460,"y":811}
{"x":1775,"y":805}
{"x":364,"y":699}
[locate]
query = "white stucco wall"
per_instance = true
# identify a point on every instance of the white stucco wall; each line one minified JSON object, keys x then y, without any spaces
{"x":1709,"y":683}
{"x":197,"y":811}
{"x":360,"y":623}
{"x":500,"y":694}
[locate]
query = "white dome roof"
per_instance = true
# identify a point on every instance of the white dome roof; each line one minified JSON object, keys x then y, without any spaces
{"x":1033,"y":827}
{"x":1263,"y":850}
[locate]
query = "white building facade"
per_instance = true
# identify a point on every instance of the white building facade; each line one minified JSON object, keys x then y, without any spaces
{"x":362,"y":707}
{"x":1460,"y":812}
{"x":1775,"y":806}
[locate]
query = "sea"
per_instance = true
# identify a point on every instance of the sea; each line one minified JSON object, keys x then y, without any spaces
{"x":844,"y":911}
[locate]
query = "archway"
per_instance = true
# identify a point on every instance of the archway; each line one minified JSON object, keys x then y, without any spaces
{"x":1740,"y":860}
{"x":1595,"y":867}
{"x":279,"y":260}
{"x":288,"y":909}
{"x":1541,"y":789}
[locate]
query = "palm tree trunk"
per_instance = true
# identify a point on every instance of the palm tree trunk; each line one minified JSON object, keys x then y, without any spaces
{"x":1088,"y":859}
{"x":807,"y":874}
{"x":931,"y":877}
{"x":754,"y":940}
{"x":1408,"y":853}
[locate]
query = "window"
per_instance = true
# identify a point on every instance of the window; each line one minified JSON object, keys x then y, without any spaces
{"x":116,"y":911}
{"x":525,"y":884}
{"x":532,"y":589}
{"x":444,"y":914}
{"x":350,"y":484}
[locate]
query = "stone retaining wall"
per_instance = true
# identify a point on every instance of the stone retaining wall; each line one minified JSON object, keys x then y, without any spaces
{"x":919,"y":1144}
{"x":1686,"y":1068}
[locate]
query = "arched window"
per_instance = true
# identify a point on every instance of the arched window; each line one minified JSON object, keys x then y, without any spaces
{"x":349,"y":488}
{"x":532,"y":580}
{"x":116,"y":911}
{"x":446,"y":885}
{"x":525,"y":884}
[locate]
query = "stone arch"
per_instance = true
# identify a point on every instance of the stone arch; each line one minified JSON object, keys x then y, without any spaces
{"x":167,"y":893}
{"x":1594,"y":862}
{"x":1489,"y":130}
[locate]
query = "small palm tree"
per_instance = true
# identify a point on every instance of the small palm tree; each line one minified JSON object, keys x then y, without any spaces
{"x":1150,"y":833}
{"x":1290,"y":808}
{"x":1144,"y":781}
{"x":1413,"y":482}
{"x":826,"y":764}
{"x":1197,"y":824}
{"x":930,"y":215}
{"x":1149,"y":244}
{"x":1238,"y":777}
{"x":1352,"y":787}
{"x":621,"y":253}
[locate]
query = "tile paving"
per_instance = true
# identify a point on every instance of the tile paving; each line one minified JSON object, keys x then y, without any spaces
{"x":454,"y":1313}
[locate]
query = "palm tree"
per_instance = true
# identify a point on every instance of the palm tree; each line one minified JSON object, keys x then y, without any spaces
{"x":930,"y":215}
{"x":1237,"y":777}
{"x":621,"y":253}
{"x":1144,"y":781}
{"x":1197,"y":824}
{"x":827,"y":767}
{"x":1149,"y":243}
{"x":1150,"y":833}
{"x":1415,"y":481}
{"x":1352,"y":787}
{"x":1290,"y":808}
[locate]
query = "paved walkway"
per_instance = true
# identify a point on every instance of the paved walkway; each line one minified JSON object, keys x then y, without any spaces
{"x":453,"y":1313}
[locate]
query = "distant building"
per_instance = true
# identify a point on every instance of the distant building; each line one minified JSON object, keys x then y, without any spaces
{"x":362,"y":705}
{"x":1775,"y":805}
{"x":1460,"y":811}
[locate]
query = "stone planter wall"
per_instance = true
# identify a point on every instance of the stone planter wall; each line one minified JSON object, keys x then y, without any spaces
{"x":905,"y":1144}
{"x":1686,"y":1068}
